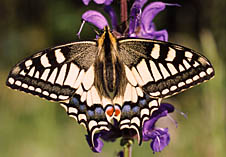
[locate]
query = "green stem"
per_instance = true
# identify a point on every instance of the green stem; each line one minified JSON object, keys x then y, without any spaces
{"x":127,"y":147}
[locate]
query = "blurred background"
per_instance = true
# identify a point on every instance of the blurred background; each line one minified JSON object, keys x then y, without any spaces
{"x":30,"y":126}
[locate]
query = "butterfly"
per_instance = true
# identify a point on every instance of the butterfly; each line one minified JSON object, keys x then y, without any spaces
{"x":110,"y":79}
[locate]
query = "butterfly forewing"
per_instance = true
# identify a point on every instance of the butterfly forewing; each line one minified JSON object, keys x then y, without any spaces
{"x":54,"y":73}
{"x":163,"y":69}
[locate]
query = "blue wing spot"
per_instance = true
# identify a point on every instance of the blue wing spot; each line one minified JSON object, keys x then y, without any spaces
{"x":142,"y":102}
{"x":75,"y":101}
{"x":82,"y":108}
{"x":136,"y":109}
{"x":99,"y":111}
{"x":90,"y":113}
{"x":126,"y":109}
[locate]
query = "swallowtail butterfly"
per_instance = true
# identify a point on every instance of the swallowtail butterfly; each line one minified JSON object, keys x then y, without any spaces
{"x":108,"y":79}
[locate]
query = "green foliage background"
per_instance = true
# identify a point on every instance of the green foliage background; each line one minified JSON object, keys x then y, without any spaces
{"x":30,"y":126}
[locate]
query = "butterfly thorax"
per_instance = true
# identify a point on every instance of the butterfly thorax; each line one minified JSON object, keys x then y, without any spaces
{"x":109,"y":68}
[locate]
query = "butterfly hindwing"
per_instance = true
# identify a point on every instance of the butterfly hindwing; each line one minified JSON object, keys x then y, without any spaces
{"x":54,"y":73}
{"x":163,"y":69}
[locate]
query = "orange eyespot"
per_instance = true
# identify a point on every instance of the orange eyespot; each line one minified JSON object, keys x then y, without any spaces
{"x":117,"y":111}
{"x":110,"y":111}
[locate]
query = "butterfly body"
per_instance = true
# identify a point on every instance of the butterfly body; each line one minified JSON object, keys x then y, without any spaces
{"x":106,"y":80}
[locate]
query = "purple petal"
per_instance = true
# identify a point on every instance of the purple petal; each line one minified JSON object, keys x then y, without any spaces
{"x":135,"y":15}
{"x":150,"y":12}
{"x":150,"y":124}
{"x":86,"y":2}
{"x":99,"y":1}
{"x":112,"y":15}
{"x":148,"y":15}
{"x":96,"y":18}
{"x":106,"y":2}
{"x":160,"y":139}
{"x":98,"y":144}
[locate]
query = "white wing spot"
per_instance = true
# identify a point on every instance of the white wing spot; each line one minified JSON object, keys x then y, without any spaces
{"x":24,"y":85}
{"x":171,"y":55}
{"x":155,"y":53}
{"x":45,"y":74}
{"x":188,"y":54}
{"x":63,"y":97}
{"x":45,"y":93}
{"x":165,"y":91}
{"x":136,"y":120}
{"x":95,"y":96}
{"x":181,"y":84}
{"x":28,"y":63}
{"x":181,"y":68}
{"x":31,"y":88}
{"x":31,"y":72}
{"x":130,"y":76}
{"x":18,"y":83}
{"x":186,"y":64}
{"x":72,"y":75}
{"x":124,"y":121}
{"x":173,"y":88}
{"x":89,"y":78}
{"x":89,"y":98}
{"x":82,"y":117}
{"x":188,"y":81}
{"x":196,"y":77}
{"x":38,"y":90}
{"x":153,"y":103}
{"x":61,"y":76}
{"x":164,"y":71}
{"x":79,"y":79}
{"x":53,"y":76}
{"x":144,"y":111}
{"x":144,"y":72}
{"x":11,"y":80}
{"x":202,"y":74}
{"x":128,"y":93}
{"x":73,"y":110}
{"x":37,"y":75}
{"x":172,"y":68}
{"x":155,"y":71}
{"x":139,"y":92}
{"x":137,"y":76}
{"x":92,"y":124}
{"x":54,"y":96}
{"x":134,"y":96}
{"x":83,"y":97}
{"x":59,"y":56}
{"x":209,"y":71}
{"x":22,"y":73}
{"x":45,"y":61}
{"x":196,"y":64}
{"x":155,"y":93}
{"x":79,"y":90}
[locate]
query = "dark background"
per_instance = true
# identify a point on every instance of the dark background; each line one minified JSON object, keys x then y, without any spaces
{"x":30,"y":126}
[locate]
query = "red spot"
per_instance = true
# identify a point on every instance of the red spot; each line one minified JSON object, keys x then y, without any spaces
{"x":117,"y":111}
{"x":110,"y":111}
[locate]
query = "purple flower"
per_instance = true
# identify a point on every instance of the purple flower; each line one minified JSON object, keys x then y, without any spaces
{"x":159,"y":136}
{"x":106,"y":2}
{"x":141,"y":24}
